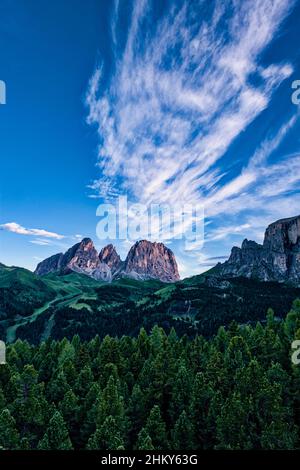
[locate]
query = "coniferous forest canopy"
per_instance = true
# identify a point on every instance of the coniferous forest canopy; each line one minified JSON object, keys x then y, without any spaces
{"x":237,"y":390}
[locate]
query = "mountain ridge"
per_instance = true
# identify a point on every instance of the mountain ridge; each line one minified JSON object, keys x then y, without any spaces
{"x":145,"y":260}
{"x":277,"y":259}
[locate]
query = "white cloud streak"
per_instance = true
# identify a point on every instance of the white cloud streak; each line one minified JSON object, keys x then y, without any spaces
{"x":19,"y":229}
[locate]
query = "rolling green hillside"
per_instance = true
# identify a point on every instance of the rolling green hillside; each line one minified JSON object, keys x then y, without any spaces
{"x":21,"y":291}
{"x":36,"y":308}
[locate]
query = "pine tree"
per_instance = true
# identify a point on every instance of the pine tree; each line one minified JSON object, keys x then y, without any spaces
{"x":70,"y":372}
{"x":144,"y":441}
{"x":108,"y":370}
{"x":295,"y":387}
{"x":233,"y":426}
{"x":23,"y":350}
{"x":182,"y":435}
{"x":84,"y":381}
{"x":69,"y":409}
{"x":137,"y":412}
{"x":69,"y":406}
{"x":58,"y":387}
{"x":67,"y":352}
{"x":87,"y":415}
{"x":279,"y":435}
{"x":9,"y":436}
{"x":2,"y":399}
{"x":202,"y":396}
{"x":82,"y":357}
{"x":143,"y":343}
{"x":237,"y":390}
{"x":237,"y":355}
{"x":157,"y":340}
{"x":107,"y":437}
{"x":56,"y":436}
{"x":28,"y":405}
{"x":44,"y":443}
{"x":109,"y":352}
{"x":181,"y":392}
{"x":152,"y":379}
{"x":47,"y":366}
{"x":221,"y":339}
{"x":111,"y":403}
{"x":156,"y":429}
{"x":215,"y":370}
{"x":292,"y":321}
{"x":24,"y":444}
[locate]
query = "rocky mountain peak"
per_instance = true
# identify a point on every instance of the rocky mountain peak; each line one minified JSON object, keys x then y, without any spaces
{"x":87,"y":243}
{"x":49,"y":265}
{"x":278,"y":259}
{"x":80,"y":257}
{"x":108,"y":255}
{"x":283,"y":234}
{"x":152,"y":261}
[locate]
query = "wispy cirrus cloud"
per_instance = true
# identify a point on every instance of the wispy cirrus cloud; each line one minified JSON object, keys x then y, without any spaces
{"x":19,"y":229}
{"x":258,"y":174}
{"x":180,"y":94}
{"x":41,"y":242}
{"x":159,"y":99}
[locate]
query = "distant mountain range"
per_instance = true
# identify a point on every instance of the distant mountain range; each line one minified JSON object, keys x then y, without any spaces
{"x":277,"y":259}
{"x":145,"y":260}
{"x":69,"y":293}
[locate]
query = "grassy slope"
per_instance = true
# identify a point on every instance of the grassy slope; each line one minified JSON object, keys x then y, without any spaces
{"x":21,"y":291}
{"x":191,"y":304}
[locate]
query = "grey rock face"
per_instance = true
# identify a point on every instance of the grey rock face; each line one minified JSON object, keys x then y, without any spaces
{"x":278,"y":259}
{"x":82,"y":257}
{"x":109,"y":256}
{"x":145,"y":260}
{"x":49,"y":265}
{"x":101,"y":273}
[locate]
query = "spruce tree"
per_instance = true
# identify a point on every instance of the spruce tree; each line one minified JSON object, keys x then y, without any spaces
{"x":233,"y":428}
{"x":279,"y":435}
{"x":111,"y":403}
{"x":56,"y":436}
{"x":144,"y":441}
{"x":181,"y":392}
{"x":84,"y":381}
{"x":2,"y":399}
{"x":202,"y":397}
{"x":182,"y":435}
{"x":156,"y":428}
{"x":69,"y":408}
{"x":137,"y":412}
{"x":9,"y":436}
{"x":107,"y":437}
{"x":57,"y":388}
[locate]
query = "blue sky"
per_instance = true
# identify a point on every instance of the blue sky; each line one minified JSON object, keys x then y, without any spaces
{"x":174,"y":102}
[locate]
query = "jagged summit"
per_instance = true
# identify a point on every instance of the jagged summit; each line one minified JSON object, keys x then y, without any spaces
{"x":277,"y":259}
{"x":151,"y":260}
{"x":145,"y":260}
{"x":108,"y":255}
